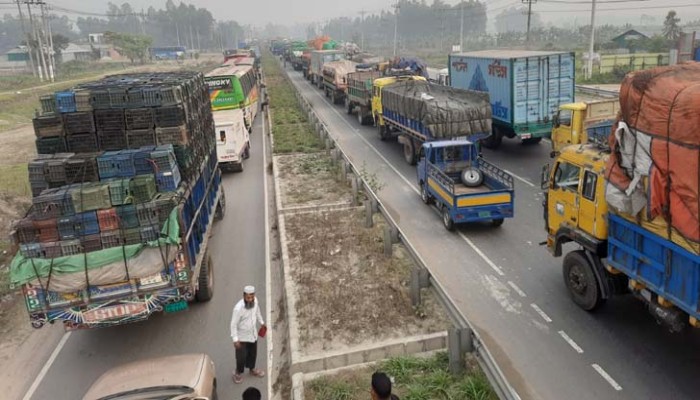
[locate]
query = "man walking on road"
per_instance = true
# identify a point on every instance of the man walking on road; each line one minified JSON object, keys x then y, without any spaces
{"x":244,"y":333}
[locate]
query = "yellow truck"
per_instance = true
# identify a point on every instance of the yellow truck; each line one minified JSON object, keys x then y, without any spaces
{"x":580,"y":123}
{"x":377,"y":86}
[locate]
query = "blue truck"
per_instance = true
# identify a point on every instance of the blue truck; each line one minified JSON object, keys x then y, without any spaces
{"x":525,"y":88}
{"x":464,"y":187}
{"x":420,"y":112}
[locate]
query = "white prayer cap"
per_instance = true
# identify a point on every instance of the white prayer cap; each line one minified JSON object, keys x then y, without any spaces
{"x":249,"y":289}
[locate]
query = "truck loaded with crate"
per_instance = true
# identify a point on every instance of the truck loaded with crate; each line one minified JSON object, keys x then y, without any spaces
{"x":125,"y":189}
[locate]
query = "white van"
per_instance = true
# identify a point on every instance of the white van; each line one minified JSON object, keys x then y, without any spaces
{"x":232,"y":139}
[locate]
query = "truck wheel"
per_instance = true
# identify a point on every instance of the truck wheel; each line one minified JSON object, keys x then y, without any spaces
{"x":409,"y":153}
{"x":472,"y":177}
{"x":220,"y":212}
{"x":447,"y":220}
{"x":424,"y":195}
{"x":497,"y":222}
{"x":383,"y":132}
{"x":581,"y":282}
{"x":348,"y":106}
{"x":493,"y":141}
{"x":205,"y":291}
{"x":531,"y":141}
{"x":246,"y":153}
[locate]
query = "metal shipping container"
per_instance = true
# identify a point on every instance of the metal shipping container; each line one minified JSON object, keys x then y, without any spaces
{"x":526,"y":88}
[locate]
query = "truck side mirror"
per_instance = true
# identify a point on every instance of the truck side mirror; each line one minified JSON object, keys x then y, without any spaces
{"x":544,"y":178}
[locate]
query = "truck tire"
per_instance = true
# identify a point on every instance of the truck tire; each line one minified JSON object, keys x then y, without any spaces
{"x":348,"y":106}
{"x":497,"y":222}
{"x":581,"y":281}
{"x":424,"y":195}
{"x":472,"y":177}
{"x":220,"y":212}
{"x":531,"y":141}
{"x":493,"y":141}
{"x":447,"y":220}
{"x":409,"y":152}
{"x":205,"y":291}
{"x":383,"y":132}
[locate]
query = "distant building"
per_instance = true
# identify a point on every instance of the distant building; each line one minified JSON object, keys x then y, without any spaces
{"x":76,"y":52}
{"x":622,"y":40}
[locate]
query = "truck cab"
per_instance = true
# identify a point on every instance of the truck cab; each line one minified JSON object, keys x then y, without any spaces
{"x":463,"y":186}
{"x":377,"y":87}
{"x":232,"y":138}
{"x":580,"y":123}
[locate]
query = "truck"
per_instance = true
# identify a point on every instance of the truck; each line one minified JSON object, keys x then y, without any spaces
{"x":232,"y":139}
{"x":464,"y":187}
{"x":419,"y":112}
{"x":581,"y":123}
{"x":632,"y":208}
{"x":526,"y":89}
{"x":359,"y":96}
{"x":335,"y":79}
{"x":114,"y":236}
{"x":318,"y":59}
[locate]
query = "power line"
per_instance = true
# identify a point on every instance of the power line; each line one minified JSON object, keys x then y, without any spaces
{"x":622,"y":9}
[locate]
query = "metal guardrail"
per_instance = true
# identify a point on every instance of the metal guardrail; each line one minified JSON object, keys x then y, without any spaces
{"x":596,"y":91}
{"x":463,"y":338}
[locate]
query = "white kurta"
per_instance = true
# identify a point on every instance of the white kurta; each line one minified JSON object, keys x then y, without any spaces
{"x":243,"y":322}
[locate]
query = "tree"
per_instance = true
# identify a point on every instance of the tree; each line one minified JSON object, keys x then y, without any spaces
{"x":671,"y":28}
{"x":514,"y":19}
{"x":134,"y":47}
{"x":60,"y":43}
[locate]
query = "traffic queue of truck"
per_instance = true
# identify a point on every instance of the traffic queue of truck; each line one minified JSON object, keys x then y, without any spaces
{"x":623,"y":186}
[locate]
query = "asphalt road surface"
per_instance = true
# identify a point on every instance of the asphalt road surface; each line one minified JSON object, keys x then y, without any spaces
{"x":512,"y":290}
{"x":238,"y":252}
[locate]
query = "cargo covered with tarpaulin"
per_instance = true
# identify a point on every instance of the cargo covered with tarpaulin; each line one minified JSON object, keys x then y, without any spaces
{"x":336,"y":72}
{"x":654,"y":171}
{"x":438,"y":111}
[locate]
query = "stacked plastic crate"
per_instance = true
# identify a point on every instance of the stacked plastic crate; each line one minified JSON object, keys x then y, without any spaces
{"x":113,"y":156}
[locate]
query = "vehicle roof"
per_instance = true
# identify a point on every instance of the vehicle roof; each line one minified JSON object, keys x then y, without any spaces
{"x":591,"y":155}
{"x":391,"y":79}
{"x":509,"y":53}
{"x":228,"y":70}
{"x":327,"y":51}
{"x":579,"y":106}
{"x":179,"y":370}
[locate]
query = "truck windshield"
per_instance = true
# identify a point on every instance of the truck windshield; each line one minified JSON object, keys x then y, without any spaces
{"x":567,"y":176}
{"x":565,"y":117}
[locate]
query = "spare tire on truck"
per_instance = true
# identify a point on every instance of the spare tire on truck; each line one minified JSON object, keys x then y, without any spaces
{"x":472,"y":177}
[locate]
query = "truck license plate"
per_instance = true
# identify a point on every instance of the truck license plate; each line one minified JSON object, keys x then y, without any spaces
{"x":114,"y":312}
{"x":151,"y":280}
{"x":484,"y":214}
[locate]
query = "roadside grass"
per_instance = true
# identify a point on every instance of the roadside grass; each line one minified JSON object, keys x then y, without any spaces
{"x":14,"y":180}
{"x":290,"y":128}
{"x":415,"y":378}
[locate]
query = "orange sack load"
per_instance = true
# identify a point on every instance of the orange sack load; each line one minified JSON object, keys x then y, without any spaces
{"x":654,"y":171}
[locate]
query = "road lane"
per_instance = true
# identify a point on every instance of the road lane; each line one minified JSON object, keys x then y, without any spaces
{"x":621,"y":340}
{"x":238,"y":253}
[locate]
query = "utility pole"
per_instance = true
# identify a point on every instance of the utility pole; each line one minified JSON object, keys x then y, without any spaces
{"x":396,"y":26}
{"x":589,"y":66}
{"x":49,"y":41}
{"x":191,"y":37}
{"x":529,"y":18}
{"x":177,"y":31}
{"x":461,"y":26}
{"x":28,"y":39}
{"x":143,"y":23}
{"x":362,"y":29}
{"x":41,"y":46}
{"x":199,"y":44}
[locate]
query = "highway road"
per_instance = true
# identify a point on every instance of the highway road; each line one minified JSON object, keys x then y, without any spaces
{"x":238,"y":252}
{"x":512,"y":290}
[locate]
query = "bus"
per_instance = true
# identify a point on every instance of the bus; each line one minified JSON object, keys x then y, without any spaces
{"x":234,"y":95}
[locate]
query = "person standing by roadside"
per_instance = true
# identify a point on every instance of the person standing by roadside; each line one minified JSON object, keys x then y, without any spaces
{"x":381,"y":387}
{"x":244,"y":333}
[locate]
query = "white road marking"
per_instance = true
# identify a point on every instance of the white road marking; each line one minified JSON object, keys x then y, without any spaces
{"x":47,"y":366}
{"x":542,"y":313}
{"x":571,"y":342}
{"x":268,"y":279}
{"x":607,"y":377}
{"x":523,"y":180}
{"x":516,"y":289}
{"x":409,"y":183}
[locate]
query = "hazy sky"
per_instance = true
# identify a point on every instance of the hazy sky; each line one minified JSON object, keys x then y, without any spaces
{"x":259,"y":12}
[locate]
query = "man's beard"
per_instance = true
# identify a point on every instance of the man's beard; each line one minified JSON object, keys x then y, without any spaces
{"x":249,"y":304}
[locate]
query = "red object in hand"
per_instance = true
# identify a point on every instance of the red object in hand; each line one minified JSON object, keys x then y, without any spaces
{"x":262,"y":331}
